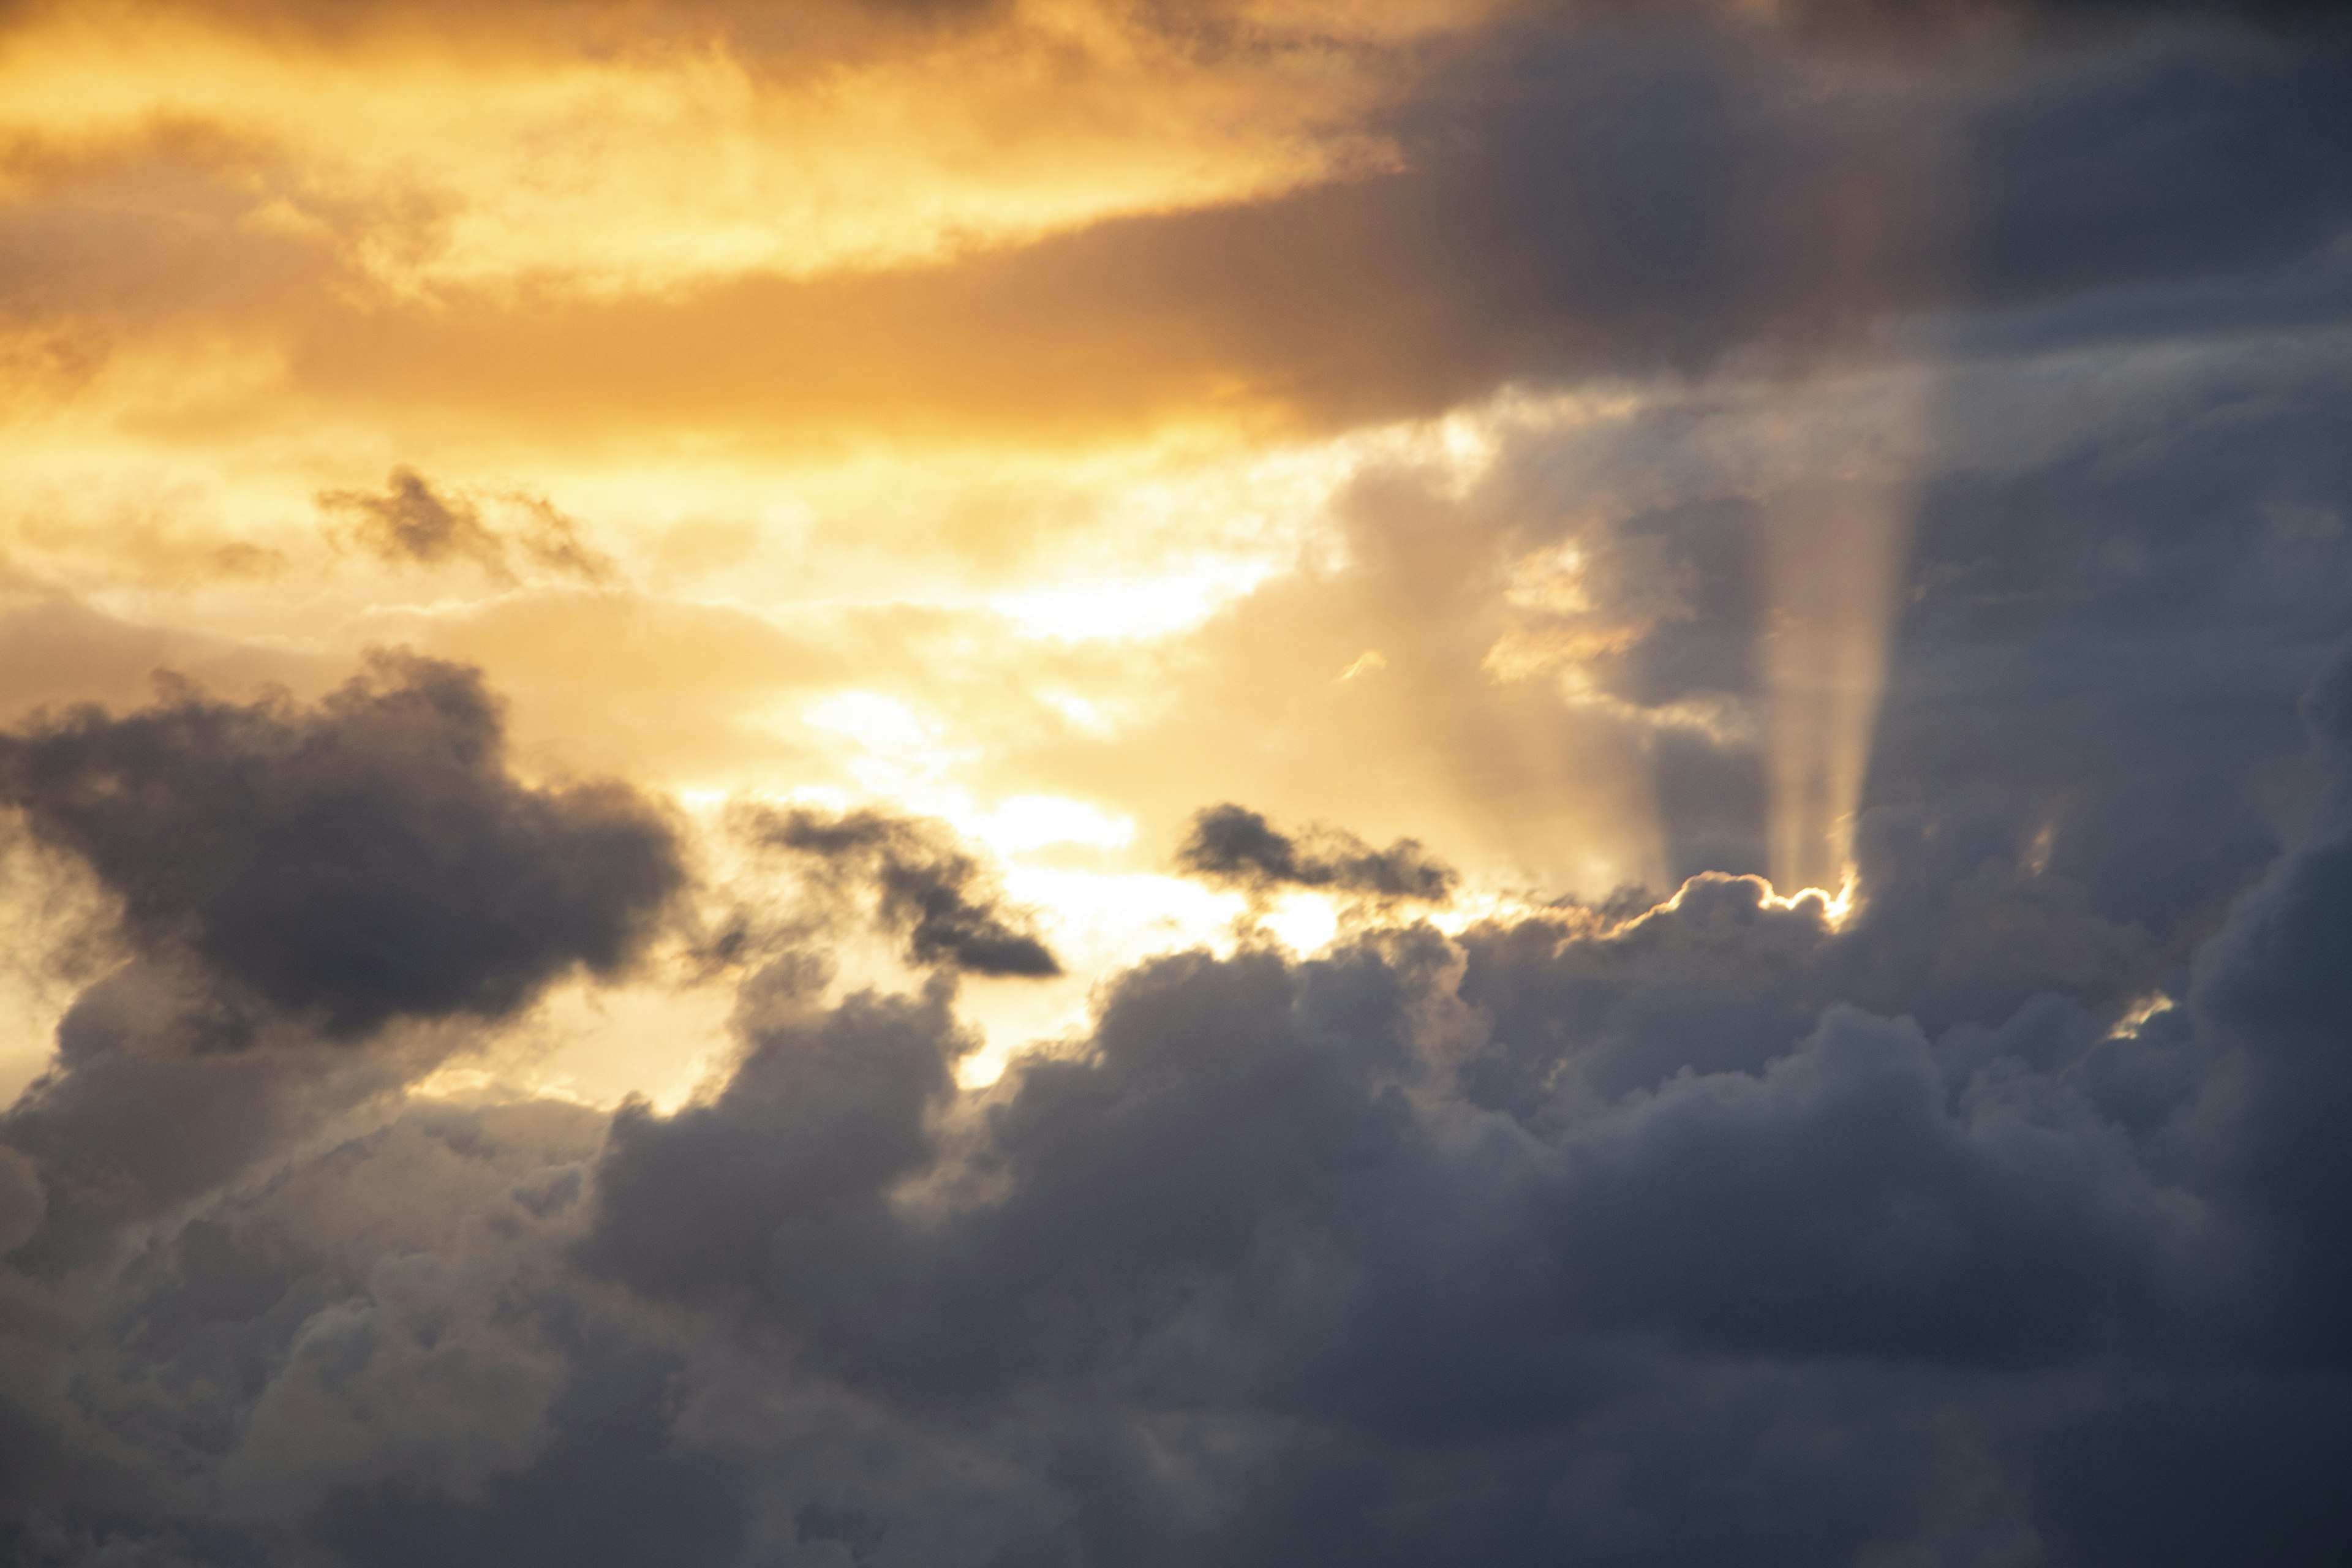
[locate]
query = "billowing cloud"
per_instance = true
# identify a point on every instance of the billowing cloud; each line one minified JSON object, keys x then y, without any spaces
{"x":1271,"y":1220}
{"x":1260,"y":1194}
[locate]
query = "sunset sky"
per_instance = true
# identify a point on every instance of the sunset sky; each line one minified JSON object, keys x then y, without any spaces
{"x":1108,"y":783}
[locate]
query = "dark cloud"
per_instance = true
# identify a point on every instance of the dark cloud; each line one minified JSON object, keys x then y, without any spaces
{"x":1241,"y":1207}
{"x":142,"y":1111}
{"x":1857,"y":1213}
{"x":823,"y":1115}
{"x":609,"y":1491}
{"x":1230,"y":844}
{"x":286,"y":875}
{"x":1582,"y":1236}
{"x":925,"y":887}
{"x":1591,"y":1207}
{"x":1720,"y":981}
{"x":374,"y":1356}
{"x":2123,"y":565}
{"x":22,"y":1200}
{"x":2272,"y":988}
{"x":411,"y":522}
{"x":2103,"y":652}
{"x":1578,"y":198}
{"x":366,"y":859}
{"x":1935,"y":17}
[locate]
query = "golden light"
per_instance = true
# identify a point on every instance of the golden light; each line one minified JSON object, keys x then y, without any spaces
{"x":484,"y":153}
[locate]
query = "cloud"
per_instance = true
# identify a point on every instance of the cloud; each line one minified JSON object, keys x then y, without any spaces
{"x":823,"y":1115}
{"x":287,"y":877}
{"x":925,"y":887}
{"x":1230,"y":844}
{"x":1273,"y":1255}
{"x":1286,"y":1196}
{"x":608,"y":1488}
{"x":367,"y":859}
{"x":379,"y":1351}
{"x":411,"y":522}
{"x":1560,"y":198}
{"x":1857,"y":1214}
{"x":21,"y":1201}
{"x":2271,"y":987}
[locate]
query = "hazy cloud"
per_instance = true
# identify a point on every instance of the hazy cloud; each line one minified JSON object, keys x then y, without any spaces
{"x":412,"y":521}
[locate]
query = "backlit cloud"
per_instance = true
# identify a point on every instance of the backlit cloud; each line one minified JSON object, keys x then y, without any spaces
{"x":1242,"y":782}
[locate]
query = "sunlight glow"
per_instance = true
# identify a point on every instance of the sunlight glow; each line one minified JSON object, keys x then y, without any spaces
{"x":1025,"y":822}
{"x":1834,"y":540}
{"x":2136,"y":1016}
{"x":503,"y":159}
{"x":1302,"y":921}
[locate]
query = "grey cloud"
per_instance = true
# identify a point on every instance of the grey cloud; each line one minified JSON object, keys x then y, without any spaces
{"x":286,"y":877}
{"x":2264,"y":1441}
{"x":2271,"y":988}
{"x":364,"y":860}
{"x":142,"y":1110}
{"x":378,"y":1315}
{"x":1233,"y":1207}
{"x":609,"y":1491}
{"x":926,"y":886}
{"x":1264,"y":1265}
{"x":1230,"y":844}
{"x":1616,"y":1215}
{"x":779,"y":1184}
{"x":1941,"y":18}
{"x":1835,"y":1203}
{"x":410,"y":522}
{"x":2125,"y":564}
{"x":22,"y":1200}
{"x":2107,"y":639}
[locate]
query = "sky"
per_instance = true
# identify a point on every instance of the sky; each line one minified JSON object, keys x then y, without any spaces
{"x":1101,"y":784}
